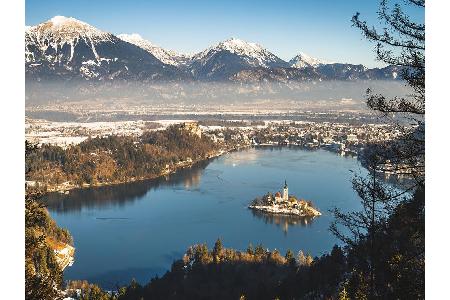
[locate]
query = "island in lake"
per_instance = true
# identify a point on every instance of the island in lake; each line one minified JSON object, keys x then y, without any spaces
{"x":284,"y":204}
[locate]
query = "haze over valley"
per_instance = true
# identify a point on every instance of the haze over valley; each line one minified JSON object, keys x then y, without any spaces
{"x":69,"y":61}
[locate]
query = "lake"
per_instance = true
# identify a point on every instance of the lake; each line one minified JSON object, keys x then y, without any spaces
{"x":137,"y":230}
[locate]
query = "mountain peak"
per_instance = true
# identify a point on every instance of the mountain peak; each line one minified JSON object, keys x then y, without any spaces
{"x":230,"y":56}
{"x":62,"y":40}
{"x":235,"y":44}
{"x":62,"y":20}
{"x":254,"y":54}
{"x":131,"y":36}
{"x":303,"y":60}
{"x":166,"y":56}
{"x":136,"y":39}
{"x":66,"y":29}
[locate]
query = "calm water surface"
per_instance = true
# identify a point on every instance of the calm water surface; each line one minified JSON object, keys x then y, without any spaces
{"x":137,"y":230}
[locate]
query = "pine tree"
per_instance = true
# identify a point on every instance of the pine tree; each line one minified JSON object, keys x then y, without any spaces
{"x":401,"y":43}
{"x":290,"y":257}
{"x":217,"y":251}
{"x":301,"y":258}
{"x":250,"y":249}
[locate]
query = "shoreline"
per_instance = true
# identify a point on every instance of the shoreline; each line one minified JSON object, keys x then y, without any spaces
{"x":66,"y":188}
{"x":285,"y":211}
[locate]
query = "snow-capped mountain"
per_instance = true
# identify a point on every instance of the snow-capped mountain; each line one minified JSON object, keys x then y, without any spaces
{"x":166,"y":56}
{"x":231,"y":56}
{"x":67,"y":48}
{"x":303,"y":60}
{"x":252,"y":53}
{"x":57,"y":38}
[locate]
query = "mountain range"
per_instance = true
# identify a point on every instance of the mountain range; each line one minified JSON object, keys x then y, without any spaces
{"x":64,"y":48}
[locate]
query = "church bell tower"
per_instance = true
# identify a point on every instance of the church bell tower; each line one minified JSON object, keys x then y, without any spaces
{"x":285,"y":192}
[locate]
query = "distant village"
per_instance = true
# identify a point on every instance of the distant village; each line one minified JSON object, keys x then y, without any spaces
{"x":346,"y":138}
{"x":340,"y":137}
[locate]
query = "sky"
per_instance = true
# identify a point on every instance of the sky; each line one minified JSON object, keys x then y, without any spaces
{"x":320,"y":28}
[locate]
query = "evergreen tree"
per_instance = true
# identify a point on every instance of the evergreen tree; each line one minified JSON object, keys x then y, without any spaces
{"x":301,"y":258}
{"x":250,"y":249}
{"x":290,"y":257}
{"x":400,"y":43}
{"x":43,"y":276}
{"x":217,"y":251}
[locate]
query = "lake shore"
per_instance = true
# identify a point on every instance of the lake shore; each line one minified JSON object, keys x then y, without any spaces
{"x":310,"y":212}
{"x":66,"y":187}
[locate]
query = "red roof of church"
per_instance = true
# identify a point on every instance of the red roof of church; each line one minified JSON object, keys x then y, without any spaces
{"x":278,"y":194}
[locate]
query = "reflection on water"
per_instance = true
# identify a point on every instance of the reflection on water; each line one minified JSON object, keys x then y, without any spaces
{"x":283,"y":221}
{"x":397,"y":181}
{"x":121,"y":194}
{"x":193,"y":178}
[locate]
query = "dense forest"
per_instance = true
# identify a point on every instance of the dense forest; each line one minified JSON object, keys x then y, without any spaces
{"x":256,"y":273}
{"x":114,"y":159}
{"x":43,"y":275}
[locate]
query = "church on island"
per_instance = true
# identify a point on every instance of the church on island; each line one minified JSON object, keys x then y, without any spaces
{"x":284,"y":204}
{"x":285,"y":197}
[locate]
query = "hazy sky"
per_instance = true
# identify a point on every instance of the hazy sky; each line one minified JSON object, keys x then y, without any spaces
{"x":320,"y":28}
